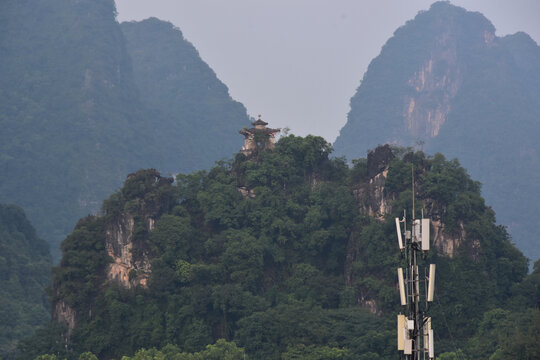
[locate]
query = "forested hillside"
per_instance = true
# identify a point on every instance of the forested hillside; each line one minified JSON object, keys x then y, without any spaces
{"x":24,"y":273}
{"x":290,"y":255}
{"x":446,"y":83}
{"x":180,"y":89}
{"x":72,"y":117}
{"x":69,"y":110}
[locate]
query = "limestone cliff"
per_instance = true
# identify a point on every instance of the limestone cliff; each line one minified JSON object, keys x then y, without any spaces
{"x":111,"y":249}
{"x":64,"y":314}
{"x":372,"y":197}
{"x":432,"y":89}
{"x":126,"y":269}
{"x":127,"y":232}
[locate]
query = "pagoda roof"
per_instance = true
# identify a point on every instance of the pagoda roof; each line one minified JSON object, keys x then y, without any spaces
{"x":246,"y":131}
{"x":259,"y":122}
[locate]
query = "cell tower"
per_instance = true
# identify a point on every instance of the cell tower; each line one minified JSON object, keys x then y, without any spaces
{"x":414,"y":332}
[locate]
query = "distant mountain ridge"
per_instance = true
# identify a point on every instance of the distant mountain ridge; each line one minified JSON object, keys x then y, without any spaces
{"x":76,"y":116}
{"x":195,"y":107}
{"x":25,"y":266}
{"x":446,"y":83}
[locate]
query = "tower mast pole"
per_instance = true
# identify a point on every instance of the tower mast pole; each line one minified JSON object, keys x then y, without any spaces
{"x":415,"y":336}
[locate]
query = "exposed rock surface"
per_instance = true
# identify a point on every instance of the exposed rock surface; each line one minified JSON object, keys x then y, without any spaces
{"x":125,"y":269}
{"x":64,"y":314}
{"x":372,"y":198}
{"x":118,"y":244}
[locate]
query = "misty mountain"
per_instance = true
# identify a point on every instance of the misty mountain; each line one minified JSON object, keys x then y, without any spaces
{"x":446,"y":83}
{"x":197,"y":115}
{"x":24,"y":272}
{"x":74,"y":120}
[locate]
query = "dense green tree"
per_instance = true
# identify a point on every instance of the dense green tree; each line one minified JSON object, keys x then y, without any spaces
{"x":221,"y":350}
{"x":24,"y":273}
{"x":274,"y":252}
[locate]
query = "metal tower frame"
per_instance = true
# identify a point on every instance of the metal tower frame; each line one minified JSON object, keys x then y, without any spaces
{"x":414,"y":332}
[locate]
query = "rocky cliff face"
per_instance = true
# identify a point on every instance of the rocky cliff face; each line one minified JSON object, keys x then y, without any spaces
{"x":64,"y":314}
{"x":432,"y":90}
{"x":125,"y":269}
{"x":112,"y":249}
{"x":372,"y":197}
{"x":127,"y":232}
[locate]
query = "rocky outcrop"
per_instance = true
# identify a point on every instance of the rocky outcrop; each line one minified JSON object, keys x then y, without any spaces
{"x":125,"y":269}
{"x":444,"y":243}
{"x":432,"y":89}
{"x":64,"y":314}
{"x":127,"y":231}
{"x":371,"y":196}
{"x":246,"y":193}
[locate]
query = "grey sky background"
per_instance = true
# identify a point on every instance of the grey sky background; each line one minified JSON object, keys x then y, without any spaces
{"x":298,"y":62}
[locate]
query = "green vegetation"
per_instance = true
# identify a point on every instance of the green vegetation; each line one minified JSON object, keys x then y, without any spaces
{"x":271,"y":252}
{"x":24,"y":273}
{"x":221,"y":350}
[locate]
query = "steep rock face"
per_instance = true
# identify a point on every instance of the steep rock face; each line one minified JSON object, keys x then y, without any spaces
{"x":127,"y":232}
{"x":111,"y":249}
{"x":445,"y":243}
{"x":447,"y":83}
{"x":125,"y":269}
{"x":372,"y":197}
{"x":64,"y":314}
{"x":433,"y":88}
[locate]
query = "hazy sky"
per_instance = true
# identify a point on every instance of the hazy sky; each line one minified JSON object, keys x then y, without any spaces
{"x":298,"y":62}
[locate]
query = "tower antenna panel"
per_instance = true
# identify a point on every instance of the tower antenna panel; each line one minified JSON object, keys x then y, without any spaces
{"x":425,"y":234}
{"x":398,"y":230}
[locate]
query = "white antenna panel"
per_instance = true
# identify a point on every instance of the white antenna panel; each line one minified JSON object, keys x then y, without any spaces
{"x":398,"y":230}
{"x":416,"y":230}
{"x":410,"y":324}
{"x":401,"y":287}
{"x":425,"y":234}
{"x":431,"y":350}
{"x":401,"y":332}
{"x":427,"y":327}
{"x":407,"y":348}
{"x":431,"y":285}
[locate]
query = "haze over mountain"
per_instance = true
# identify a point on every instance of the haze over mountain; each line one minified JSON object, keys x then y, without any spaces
{"x":25,"y":265}
{"x":73,"y":120}
{"x":198,"y":119}
{"x":302,"y":74}
{"x":445,"y":83}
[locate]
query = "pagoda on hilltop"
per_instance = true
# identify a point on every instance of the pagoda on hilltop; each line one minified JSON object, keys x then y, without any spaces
{"x":259,"y":137}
